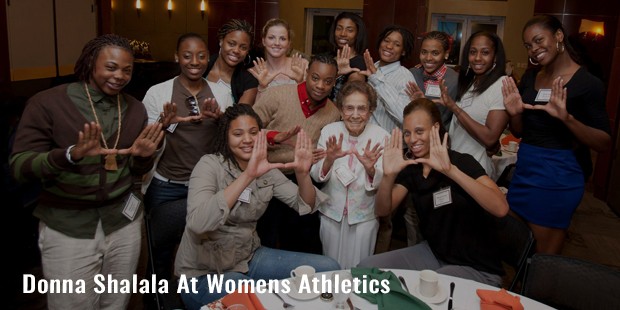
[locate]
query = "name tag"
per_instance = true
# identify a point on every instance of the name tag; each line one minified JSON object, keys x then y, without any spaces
{"x":245,"y":195}
{"x":543,"y":95}
{"x":466,"y":101}
{"x":433,"y":91}
{"x":344,"y":175}
{"x":172,"y":127}
{"x":442,"y":197}
{"x":131,"y":207}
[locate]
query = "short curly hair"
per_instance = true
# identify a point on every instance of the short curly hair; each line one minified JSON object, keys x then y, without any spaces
{"x":357,"y":87}
{"x":221,"y":140}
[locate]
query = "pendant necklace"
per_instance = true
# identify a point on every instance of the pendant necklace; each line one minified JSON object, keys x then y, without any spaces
{"x":110,"y":159}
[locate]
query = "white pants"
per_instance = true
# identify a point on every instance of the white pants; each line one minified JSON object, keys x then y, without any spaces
{"x":65,"y":257}
{"x":348,"y":244}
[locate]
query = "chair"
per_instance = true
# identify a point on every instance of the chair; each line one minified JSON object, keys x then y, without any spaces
{"x":516,"y":243}
{"x":570,"y":283}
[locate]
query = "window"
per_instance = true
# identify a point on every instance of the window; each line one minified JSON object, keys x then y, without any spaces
{"x":461,"y":27}
{"x":318,"y":23}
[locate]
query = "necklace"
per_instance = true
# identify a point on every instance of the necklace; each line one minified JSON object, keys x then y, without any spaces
{"x":110,"y":159}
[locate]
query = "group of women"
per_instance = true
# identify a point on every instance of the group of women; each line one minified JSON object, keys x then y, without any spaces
{"x":214,"y":155}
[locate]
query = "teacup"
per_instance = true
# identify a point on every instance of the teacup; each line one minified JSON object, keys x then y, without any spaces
{"x":302,"y":271}
{"x":429,"y":283}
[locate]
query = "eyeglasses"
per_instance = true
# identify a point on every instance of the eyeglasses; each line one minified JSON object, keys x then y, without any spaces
{"x":192,"y":105}
{"x":348,"y":110}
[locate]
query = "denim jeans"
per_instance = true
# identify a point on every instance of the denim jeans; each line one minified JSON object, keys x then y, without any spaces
{"x":266,"y":264}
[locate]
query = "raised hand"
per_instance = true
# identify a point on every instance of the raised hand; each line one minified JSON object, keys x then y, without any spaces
{"x":262,"y":73}
{"x":370,"y":156}
{"x":343,"y":57}
{"x":445,"y":99}
{"x":298,"y":68}
{"x":556,"y":106}
{"x":334,"y":149}
{"x":512,"y":99}
{"x":210,"y":109}
{"x":146,"y":143}
{"x":285,"y":137}
{"x":258,"y":164}
{"x":303,"y":155}
{"x":89,"y":142}
{"x":370,"y":65}
{"x":438,"y":158}
{"x":393,"y":160}
{"x":318,"y":154}
{"x":413,"y":91}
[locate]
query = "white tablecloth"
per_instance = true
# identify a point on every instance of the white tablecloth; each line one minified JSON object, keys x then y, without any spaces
{"x":464,"y":298}
{"x":501,"y":162}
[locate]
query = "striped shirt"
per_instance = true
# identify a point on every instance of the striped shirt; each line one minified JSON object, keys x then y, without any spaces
{"x":390,"y":82}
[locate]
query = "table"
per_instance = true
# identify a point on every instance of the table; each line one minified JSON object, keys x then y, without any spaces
{"x":464,"y":298}
{"x":501,"y":162}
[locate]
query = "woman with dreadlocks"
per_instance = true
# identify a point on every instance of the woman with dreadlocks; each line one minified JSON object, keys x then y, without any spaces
{"x":228,"y":193}
{"x":86,"y":142}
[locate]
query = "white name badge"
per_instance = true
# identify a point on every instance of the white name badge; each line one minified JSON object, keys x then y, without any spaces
{"x":245,"y":195}
{"x":467,"y":101}
{"x":131,"y":207}
{"x":442,"y":197}
{"x":544,"y":94}
{"x":344,"y":175}
{"x":433,"y":91}
{"x":172,"y":127}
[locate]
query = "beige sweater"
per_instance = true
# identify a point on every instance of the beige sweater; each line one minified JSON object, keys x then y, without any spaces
{"x":279,"y":109}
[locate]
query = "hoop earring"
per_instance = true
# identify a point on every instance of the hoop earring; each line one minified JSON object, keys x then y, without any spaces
{"x":467,"y":71}
{"x":532,"y":62}
{"x":559,"y":46}
{"x":409,"y":154}
{"x":249,"y":60}
{"x":494,"y":65}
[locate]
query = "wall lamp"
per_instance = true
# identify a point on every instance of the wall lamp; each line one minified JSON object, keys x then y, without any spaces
{"x":169,"y":8}
{"x":202,"y":9}
{"x":138,"y":7}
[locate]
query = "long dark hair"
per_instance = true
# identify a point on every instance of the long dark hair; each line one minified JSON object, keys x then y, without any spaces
{"x":553,"y":24}
{"x":466,"y":76}
{"x":408,"y":39}
{"x":361,"y":39}
{"x":221,"y":140}
{"x":86,"y":62}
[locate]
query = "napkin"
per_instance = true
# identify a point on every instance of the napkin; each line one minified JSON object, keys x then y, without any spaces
{"x":249,"y":300}
{"x":498,"y":300}
{"x":396,"y":298}
{"x":509,"y":138}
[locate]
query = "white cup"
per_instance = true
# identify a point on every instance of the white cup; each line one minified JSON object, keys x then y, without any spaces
{"x":302,"y":271}
{"x":429,"y":283}
{"x":512,"y":146}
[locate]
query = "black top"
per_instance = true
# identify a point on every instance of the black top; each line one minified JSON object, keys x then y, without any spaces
{"x":585,"y":101}
{"x":240,"y":81}
{"x":460,"y":233}
{"x":356,"y":62}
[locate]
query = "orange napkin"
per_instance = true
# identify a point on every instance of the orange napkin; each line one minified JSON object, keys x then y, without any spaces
{"x":498,"y":300}
{"x":509,"y":138}
{"x":250,"y":300}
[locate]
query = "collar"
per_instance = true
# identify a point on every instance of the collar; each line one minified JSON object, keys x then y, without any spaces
{"x":96,"y":95}
{"x":305,"y":101}
{"x":387,"y":69}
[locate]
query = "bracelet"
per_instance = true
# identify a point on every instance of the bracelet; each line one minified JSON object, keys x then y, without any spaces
{"x":68,"y":155}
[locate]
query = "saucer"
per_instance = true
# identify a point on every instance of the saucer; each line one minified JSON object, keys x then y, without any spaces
{"x":305,"y":295}
{"x":440,"y":297}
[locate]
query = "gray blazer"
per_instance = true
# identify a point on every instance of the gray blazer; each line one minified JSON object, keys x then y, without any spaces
{"x":451,"y":79}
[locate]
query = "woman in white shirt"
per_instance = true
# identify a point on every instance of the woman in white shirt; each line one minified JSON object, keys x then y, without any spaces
{"x":351,"y":171}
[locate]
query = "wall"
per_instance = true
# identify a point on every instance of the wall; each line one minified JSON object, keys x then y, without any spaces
{"x":517,"y":13}
{"x":294,"y":12}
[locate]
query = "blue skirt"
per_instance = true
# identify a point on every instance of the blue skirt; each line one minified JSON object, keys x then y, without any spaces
{"x":547,"y":186}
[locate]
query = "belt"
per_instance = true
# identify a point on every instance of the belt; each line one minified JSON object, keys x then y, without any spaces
{"x":163,"y":179}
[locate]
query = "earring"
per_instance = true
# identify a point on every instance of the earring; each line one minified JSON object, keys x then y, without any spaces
{"x":532,"y":62}
{"x":559,"y":46}
{"x":467,"y":71}
{"x":494,"y":64}
{"x":249,"y":60}
{"x":409,"y":154}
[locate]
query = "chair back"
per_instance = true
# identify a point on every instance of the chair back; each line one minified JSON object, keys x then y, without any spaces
{"x":570,"y":283}
{"x":516,"y":242}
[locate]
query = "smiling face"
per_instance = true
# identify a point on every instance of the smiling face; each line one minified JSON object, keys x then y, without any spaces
{"x":432,"y":55}
{"x":417,"y":127}
{"x":345,"y":33}
{"x":193,"y":57}
{"x":241,"y":135}
{"x":276,"y":41}
{"x":391,"y":48}
{"x":481,"y":55}
{"x":235,"y":47}
{"x":320,"y":80}
{"x":541,"y":43}
{"x":355,"y":113}
{"x":112,"y":70}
